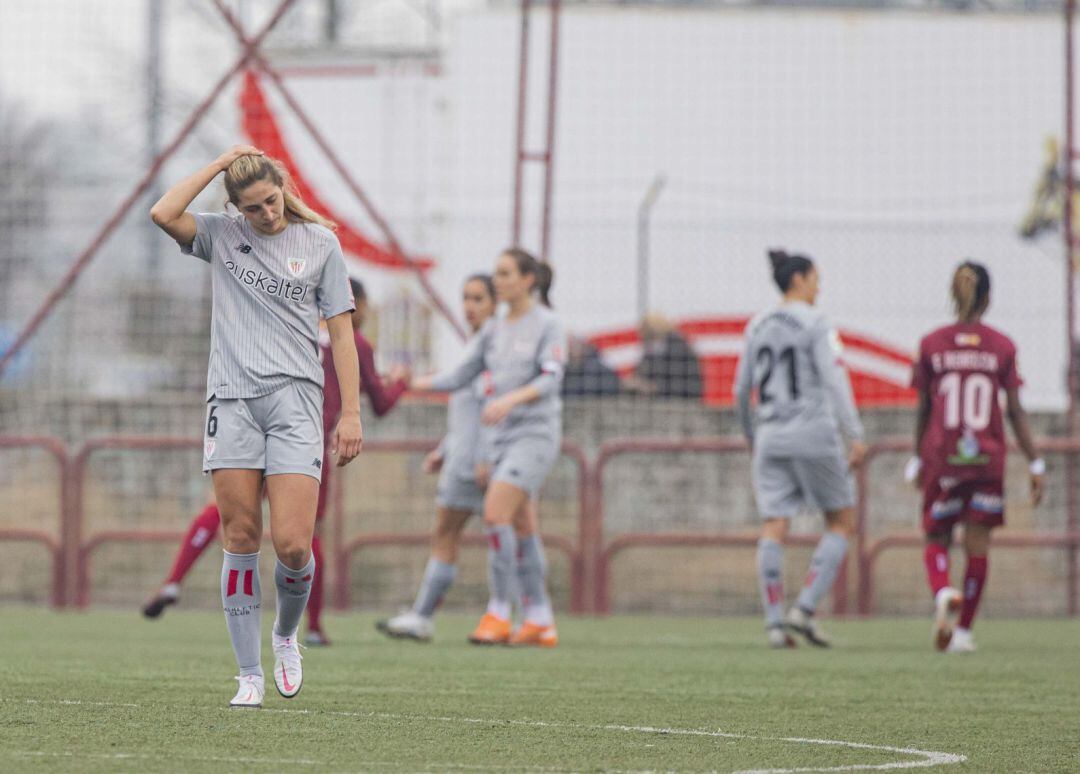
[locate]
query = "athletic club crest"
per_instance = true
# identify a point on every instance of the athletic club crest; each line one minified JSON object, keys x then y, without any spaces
{"x":211,"y":444}
{"x":296,"y":266}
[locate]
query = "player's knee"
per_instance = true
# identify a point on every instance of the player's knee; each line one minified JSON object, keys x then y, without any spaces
{"x":939,"y":539}
{"x":842,"y":521}
{"x":496,"y":512}
{"x":775,"y":529}
{"x":242,"y":536}
{"x":294,"y":554}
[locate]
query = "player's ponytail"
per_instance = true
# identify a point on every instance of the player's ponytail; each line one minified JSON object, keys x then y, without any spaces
{"x":543,"y":274}
{"x":247,"y":170}
{"x":970,"y":290}
{"x":785,"y":266}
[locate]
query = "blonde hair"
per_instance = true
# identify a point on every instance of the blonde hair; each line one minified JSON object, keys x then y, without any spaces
{"x":247,"y":170}
{"x":970,"y":290}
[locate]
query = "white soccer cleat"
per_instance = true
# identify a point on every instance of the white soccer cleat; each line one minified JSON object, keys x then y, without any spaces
{"x":288,"y":674}
{"x":947,"y":604}
{"x":250,"y":693}
{"x":802,"y":622}
{"x":778,"y":638}
{"x":961,"y":642}
{"x":408,"y":625}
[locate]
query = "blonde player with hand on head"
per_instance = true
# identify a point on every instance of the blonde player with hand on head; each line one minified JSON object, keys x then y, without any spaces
{"x":276,"y":266}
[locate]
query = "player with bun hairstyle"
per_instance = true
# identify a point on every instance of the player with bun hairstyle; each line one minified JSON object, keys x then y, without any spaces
{"x":276,"y":267}
{"x":961,"y":448}
{"x":804,"y":404}
{"x":463,"y":468}
{"x":524,"y":350}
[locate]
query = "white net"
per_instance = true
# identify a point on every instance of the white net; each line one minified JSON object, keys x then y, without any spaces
{"x":887,"y":144}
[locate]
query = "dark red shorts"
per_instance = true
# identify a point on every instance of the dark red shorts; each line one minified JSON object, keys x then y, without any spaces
{"x":324,"y":485}
{"x":975,"y":502}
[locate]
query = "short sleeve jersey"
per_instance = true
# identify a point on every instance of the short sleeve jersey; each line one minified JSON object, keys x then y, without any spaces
{"x":528,"y":350}
{"x":268,"y":294}
{"x":462,"y":444}
{"x":792,"y":360}
{"x":963,"y":368}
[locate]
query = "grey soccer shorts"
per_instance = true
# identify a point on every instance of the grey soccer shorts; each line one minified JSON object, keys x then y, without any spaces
{"x":276,"y":433}
{"x":784,"y":486}
{"x":525,"y":462}
{"x":458,"y":493}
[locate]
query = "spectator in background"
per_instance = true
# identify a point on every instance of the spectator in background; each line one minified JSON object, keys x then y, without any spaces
{"x":669,"y":366}
{"x":586,"y":374}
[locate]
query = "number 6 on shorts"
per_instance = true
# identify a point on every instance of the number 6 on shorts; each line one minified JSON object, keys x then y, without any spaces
{"x":211,"y":423}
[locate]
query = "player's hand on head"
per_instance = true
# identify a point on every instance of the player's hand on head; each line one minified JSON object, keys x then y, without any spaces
{"x":348,"y":440}
{"x":235,"y":152}
{"x":856,"y":454}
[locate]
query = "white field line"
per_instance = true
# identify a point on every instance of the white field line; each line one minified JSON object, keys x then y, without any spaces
{"x":148,"y":757}
{"x":924,"y":758}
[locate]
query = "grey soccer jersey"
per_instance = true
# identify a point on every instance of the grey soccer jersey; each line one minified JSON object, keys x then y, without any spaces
{"x":466,"y":439}
{"x":792,"y":359}
{"x":528,"y":351}
{"x":268,"y":294}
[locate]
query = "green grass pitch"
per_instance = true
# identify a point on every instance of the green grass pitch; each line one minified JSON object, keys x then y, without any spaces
{"x":107,"y":691}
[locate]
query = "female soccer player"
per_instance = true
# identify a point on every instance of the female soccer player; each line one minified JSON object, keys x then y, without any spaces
{"x":460,"y":460}
{"x":804,"y":401}
{"x":276,"y":266}
{"x":961,"y":371}
{"x":204,"y":527}
{"x":524,"y":350}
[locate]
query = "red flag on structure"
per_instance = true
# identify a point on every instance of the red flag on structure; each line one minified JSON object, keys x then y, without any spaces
{"x":261,"y":126}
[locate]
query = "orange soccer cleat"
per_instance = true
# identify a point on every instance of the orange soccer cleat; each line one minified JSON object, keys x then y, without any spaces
{"x":535,"y":634}
{"x":491,"y":630}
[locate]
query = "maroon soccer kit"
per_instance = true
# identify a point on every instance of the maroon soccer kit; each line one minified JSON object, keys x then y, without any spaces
{"x":964,"y":367}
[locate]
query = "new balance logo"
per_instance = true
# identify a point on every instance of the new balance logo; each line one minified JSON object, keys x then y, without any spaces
{"x":245,"y":249}
{"x":317,"y":463}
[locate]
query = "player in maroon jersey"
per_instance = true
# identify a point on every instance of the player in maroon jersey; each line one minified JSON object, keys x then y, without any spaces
{"x":206,"y":526}
{"x":960,"y":438}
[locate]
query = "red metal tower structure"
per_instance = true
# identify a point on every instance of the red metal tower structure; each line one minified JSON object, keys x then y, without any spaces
{"x":546,"y":155}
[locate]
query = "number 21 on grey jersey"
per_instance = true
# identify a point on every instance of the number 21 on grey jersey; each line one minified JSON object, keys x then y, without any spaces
{"x":792,"y":360}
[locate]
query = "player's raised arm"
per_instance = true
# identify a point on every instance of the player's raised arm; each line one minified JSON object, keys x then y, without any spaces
{"x":170,"y":212}
{"x":470,"y":367}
